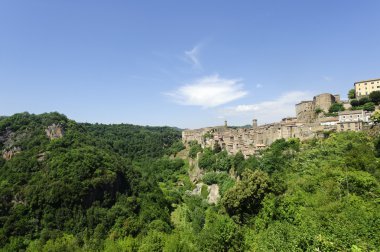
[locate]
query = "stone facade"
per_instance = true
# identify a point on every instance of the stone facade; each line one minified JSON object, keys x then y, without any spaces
{"x":306,"y":110}
{"x":306,"y":125}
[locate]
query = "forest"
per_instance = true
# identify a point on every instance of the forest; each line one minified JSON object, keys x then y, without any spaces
{"x":127,"y":188}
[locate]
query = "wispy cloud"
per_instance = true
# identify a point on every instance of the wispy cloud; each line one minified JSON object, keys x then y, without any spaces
{"x":209,"y":91}
{"x":192,"y":56}
{"x":258,"y":85}
{"x":269,"y":111}
{"x":327,"y":78}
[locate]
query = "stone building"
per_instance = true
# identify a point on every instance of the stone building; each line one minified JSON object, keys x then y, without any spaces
{"x":364,"y":88}
{"x":306,"y":125}
{"x":306,"y":111}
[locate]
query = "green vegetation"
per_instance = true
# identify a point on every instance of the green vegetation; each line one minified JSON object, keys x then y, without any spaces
{"x":351,"y":94}
{"x":336,"y":107}
{"x":366,"y":103}
{"x":195,"y":148}
{"x":375,"y":97}
{"x":120,"y":188}
{"x":318,"y":111}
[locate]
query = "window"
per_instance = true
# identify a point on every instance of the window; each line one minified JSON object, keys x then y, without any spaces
{"x":372,"y":82}
{"x":378,"y":86}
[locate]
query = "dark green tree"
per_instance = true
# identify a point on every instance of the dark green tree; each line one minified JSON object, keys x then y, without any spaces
{"x":244,"y":199}
{"x":351,"y":94}
{"x":375,"y":97}
{"x":369,"y":106}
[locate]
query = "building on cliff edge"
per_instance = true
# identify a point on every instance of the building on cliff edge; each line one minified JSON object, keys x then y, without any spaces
{"x":310,"y":121}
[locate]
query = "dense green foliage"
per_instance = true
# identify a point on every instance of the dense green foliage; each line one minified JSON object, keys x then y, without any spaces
{"x":336,"y":107}
{"x":351,"y":94}
{"x":375,"y":97}
{"x":366,"y":103}
{"x":120,"y":188}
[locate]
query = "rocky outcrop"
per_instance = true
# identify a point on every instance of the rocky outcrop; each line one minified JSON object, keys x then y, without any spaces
{"x":213,"y":194}
{"x":54,"y":131}
{"x":8,"y":154}
{"x":212,"y":190}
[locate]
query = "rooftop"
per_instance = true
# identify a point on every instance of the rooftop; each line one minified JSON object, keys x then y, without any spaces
{"x":366,"y":81}
{"x":351,"y":112}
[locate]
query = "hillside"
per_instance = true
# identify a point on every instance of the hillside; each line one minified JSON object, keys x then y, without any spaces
{"x":66,"y":186}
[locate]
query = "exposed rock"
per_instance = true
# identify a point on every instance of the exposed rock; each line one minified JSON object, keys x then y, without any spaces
{"x":54,"y":131}
{"x":41,"y":157}
{"x":213,"y":194}
{"x":8,"y":154}
{"x":197,"y":190}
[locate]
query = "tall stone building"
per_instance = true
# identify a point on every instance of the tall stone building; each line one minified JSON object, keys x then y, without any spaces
{"x":306,"y":110}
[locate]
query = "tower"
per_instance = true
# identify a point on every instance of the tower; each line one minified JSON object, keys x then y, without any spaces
{"x":254,"y":123}
{"x":225,"y":123}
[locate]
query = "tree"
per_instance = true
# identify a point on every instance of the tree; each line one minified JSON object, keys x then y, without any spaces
{"x":336,"y":107}
{"x":217,"y":148}
{"x":351,"y":94}
{"x":194,"y":149}
{"x":354,"y":103}
{"x":245,"y":197}
{"x":376,"y":117}
{"x":369,"y":106}
{"x":220,"y":234}
{"x":207,"y":160}
{"x":363,"y":100}
{"x":375,"y":97}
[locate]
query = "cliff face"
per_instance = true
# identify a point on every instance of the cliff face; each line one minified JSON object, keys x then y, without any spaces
{"x":54,"y":131}
{"x":8,"y":154}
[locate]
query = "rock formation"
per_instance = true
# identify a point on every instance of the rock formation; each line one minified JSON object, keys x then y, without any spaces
{"x":54,"y":131}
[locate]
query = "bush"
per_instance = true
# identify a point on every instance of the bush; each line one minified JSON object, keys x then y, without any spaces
{"x":351,"y":94}
{"x":375,"y":97}
{"x":336,"y":107}
{"x":369,"y":106}
{"x":354,"y":103}
{"x":195,"y":148}
{"x":363,"y":100}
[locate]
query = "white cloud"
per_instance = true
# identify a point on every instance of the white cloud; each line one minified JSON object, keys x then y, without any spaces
{"x":269,"y":111}
{"x":209,"y":91}
{"x":327,"y":78}
{"x":258,"y":85}
{"x":192,"y":56}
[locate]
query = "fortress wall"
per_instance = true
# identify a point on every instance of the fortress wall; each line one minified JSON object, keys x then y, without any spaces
{"x":305,"y":111}
{"x":323,"y":101}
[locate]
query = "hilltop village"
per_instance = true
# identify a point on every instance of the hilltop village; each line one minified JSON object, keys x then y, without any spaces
{"x":312,"y":120}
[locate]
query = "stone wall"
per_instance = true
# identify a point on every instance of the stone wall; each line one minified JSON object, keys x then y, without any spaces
{"x":250,"y":140}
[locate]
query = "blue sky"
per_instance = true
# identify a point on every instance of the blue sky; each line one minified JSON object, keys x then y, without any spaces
{"x":182,"y":63}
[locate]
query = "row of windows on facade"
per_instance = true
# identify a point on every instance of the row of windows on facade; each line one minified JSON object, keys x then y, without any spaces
{"x":351,"y":116}
{"x":365,"y":83}
{"x":372,"y":87}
